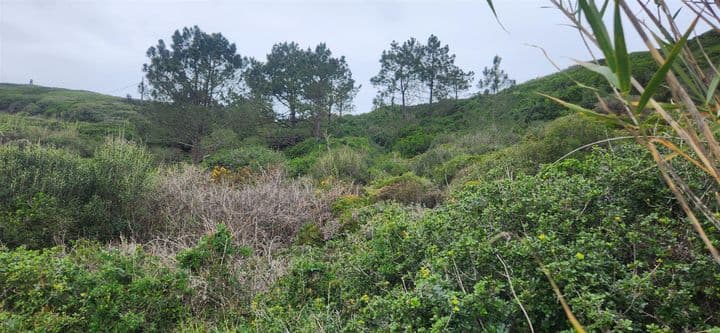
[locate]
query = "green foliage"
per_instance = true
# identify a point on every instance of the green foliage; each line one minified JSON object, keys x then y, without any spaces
{"x":597,"y":224}
{"x":545,"y":144}
{"x":221,"y":139}
{"x":390,"y":164}
{"x":215,"y":259}
{"x":89,"y":288}
{"x":425,"y":163}
{"x":49,"y":196}
{"x":252,"y":156}
{"x":64,"y":104}
{"x":407,"y":188}
{"x":346,"y":208}
{"x":80,"y":137}
{"x":211,"y":250}
{"x":304,"y":155}
{"x":413,"y":144}
{"x":310,"y":234}
{"x":342,"y":163}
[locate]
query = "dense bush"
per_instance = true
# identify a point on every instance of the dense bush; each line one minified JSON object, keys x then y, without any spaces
{"x":214,"y":259}
{"x":425,"y":164}
{"x":88,"y":288}
{"x":305,"y":154}
{"x":623,"y":260}
{"x":49,"y":196}
{"x":254,"y":157}
{"x":389,"y":164}
{"x":413,"y":144}
{"x":221,"y":139}
{"x":407,"y":189}
{"x":545,"y":144}
{"x":342,"y":163}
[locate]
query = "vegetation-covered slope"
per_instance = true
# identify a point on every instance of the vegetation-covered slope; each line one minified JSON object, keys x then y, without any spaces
{"x":453,"y":216}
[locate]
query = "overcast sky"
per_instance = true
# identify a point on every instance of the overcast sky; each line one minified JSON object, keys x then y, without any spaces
{"x":100,"y":45}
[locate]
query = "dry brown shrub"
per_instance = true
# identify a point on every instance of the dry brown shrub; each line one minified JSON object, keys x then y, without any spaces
{"x":264,"y":214}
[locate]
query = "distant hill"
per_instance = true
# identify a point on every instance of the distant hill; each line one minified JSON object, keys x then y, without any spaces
{"x":515,"y":109}
{"x":64,"y":104}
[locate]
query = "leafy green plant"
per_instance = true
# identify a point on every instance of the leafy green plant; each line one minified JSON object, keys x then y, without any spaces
{"x":51,"y":196}
{"x":88,"y":288}
{"x":690,"y":116}
{"x":413,"y":144}
{"x":614,"y":247}
{"x":407,"y":188}
{"x":342,"y":163}
{"x":214,"y":260}
{"x":254,"y":157}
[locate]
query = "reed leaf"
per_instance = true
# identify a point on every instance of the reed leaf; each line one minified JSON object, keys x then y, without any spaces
{"x":659,"y":76}
{"x":621,"y":54}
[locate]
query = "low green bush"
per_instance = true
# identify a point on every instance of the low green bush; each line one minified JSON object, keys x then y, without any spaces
{"x":310,"y":234}
{"x":305,"y":155}
{"x":221,"y":139}
{"x":254,"y":157}
{"x":343,"y":163}
{"x":389,"y":164}
{"x":50,"y":196}
{"x":620,"y":252}
{"x":545,"y":144}
{"x":345,"y":209}
{"x":407,"y":188}
{"x":425,"y":163}
{"x":214,"y":260}
{"x":88,"y":288}
{"x":413,"y":144}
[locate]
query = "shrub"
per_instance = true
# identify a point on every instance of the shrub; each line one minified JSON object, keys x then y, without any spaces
{"x":345,"y":209}
{"x":445,"y":173}
{"x":254,"y":157}
{"x":123,"y":172}
{"x":413,"y":144}
{"x":486,"y":139}
{"x":305,"y":154}
{"x":89,"y":289}
{"x":407,"y":189}
{"x":49,"y":196}
{"x":220,"y":139}
{"x":545,"y":144}
{"x":342,"y":163}
{"x":310,"y":234}
{"x":261,"y":214}
{"x":425,"y":163}
{"x":603,"y":228}
{"x":214,"y":260}
{"x":390,"y":164}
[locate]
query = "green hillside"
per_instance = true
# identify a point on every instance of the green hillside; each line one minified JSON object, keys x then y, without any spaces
{"x":64,"y":104}
{"x":469,"y":215}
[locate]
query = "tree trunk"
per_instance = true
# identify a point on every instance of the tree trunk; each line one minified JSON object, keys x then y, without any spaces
{"x":432,"y":84}
{"x":317,"y":125}
{"x":196,"y":152}
{"x":293,"y":118}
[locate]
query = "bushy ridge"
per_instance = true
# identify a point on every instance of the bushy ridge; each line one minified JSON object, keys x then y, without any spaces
{"x":451,"y":217}
{"x":593,"y":223}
